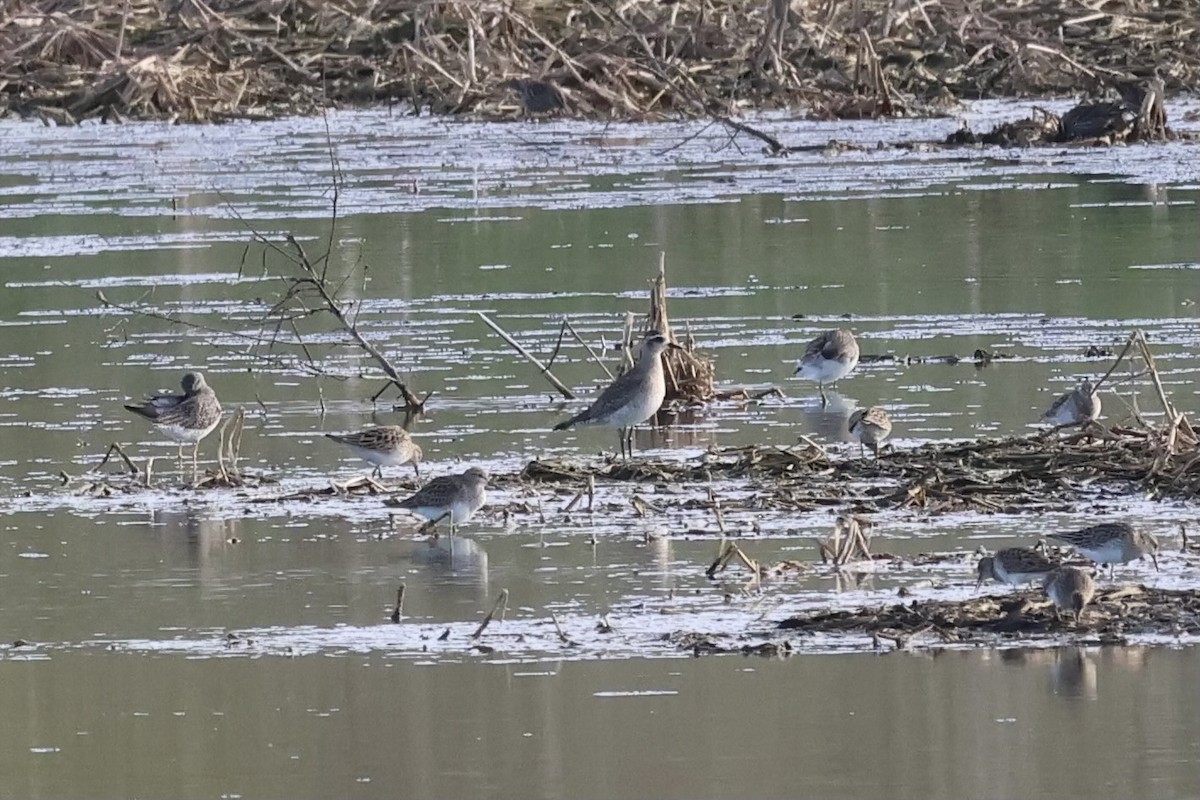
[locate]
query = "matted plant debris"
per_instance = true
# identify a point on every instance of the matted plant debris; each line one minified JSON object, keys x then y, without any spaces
{"x":67,"y":60}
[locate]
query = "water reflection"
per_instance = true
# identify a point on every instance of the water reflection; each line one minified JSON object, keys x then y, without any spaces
{"x":1073,"y":674}
{"x":828,"y":423}
{"x":450,"y":560}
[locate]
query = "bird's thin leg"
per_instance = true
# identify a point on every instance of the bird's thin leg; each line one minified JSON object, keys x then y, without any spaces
{"x":416,"y":468}
{"x":195,"y":454}
{"x":377,"y":472}
{"x":824,"y":399}
{"x":179,"y":460}
{"x":629,"y":439}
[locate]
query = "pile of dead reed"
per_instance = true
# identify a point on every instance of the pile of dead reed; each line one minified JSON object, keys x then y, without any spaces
{"x":194,"y":60}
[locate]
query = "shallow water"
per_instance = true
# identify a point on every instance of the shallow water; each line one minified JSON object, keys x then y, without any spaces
{"x":129,"y":600}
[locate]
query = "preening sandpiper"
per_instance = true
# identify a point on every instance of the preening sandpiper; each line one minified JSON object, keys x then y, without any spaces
{"x":185,"y":418}
{"x":1077,"y":407}
{"x":632,"y":398}
{"x":383,"y":446}
{"x":829,"y":358}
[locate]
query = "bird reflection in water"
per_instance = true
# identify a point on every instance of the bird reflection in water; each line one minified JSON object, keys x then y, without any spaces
{"x":462,"y":559}
{"x":828,"y":422}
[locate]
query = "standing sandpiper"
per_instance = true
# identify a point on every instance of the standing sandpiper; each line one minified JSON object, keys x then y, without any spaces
{"x":185,"y":418}
{"x":1111,"y":543}
{"x":385,"y":446}
{"x":829,"y":358}
{"x":632,"y":398}
{"x":1069,"y":588}
{"x":870,"y":427}
{"x":1014,"y":565}
{"x":455,"y":496}
{"x":1077,"y":407}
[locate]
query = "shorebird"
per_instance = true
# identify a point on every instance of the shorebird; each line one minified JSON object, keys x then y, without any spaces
{"x":1111,"y":543}
{"x":185,"y":418}
{"x":385,"y":446}
{"x":632,"y":398}
{"x":1014,"y":565}
{"x":870,"y":427}
{"x":1069,"y":588}
{"x":1077,"y":407}
{"x":829,"y":358}
{"x":537,"y":97}
{"x":455,"y":496}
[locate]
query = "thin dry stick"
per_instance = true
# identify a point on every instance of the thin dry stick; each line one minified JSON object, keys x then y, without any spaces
{"x":501,"y":600}
{"x":555,"y":382}
{"x":558,"y":629}
{"x":589,"y":349}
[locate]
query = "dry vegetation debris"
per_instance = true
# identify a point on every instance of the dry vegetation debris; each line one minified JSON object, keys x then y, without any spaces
{"x":192,"y":60}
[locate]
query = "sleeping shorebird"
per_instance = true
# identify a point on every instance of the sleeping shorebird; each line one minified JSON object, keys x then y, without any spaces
{"x":632,"y":398}
{"x":455,"y":496}
{"x":1111,"y":543}
{"x":1077,"y":407}
{"x":385,"y":446}
{"x":1069,"y":588}
{"x":869,"y":427}
{"x":185,"y":418}
{"x":829,"y":358}
{"x":1014,"y":565}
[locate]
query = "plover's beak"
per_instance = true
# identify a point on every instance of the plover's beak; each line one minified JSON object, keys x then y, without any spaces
{"x":674,"y":346}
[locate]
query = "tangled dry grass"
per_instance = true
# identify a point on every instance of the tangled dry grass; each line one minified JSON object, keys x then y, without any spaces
{"x":194,"y":60}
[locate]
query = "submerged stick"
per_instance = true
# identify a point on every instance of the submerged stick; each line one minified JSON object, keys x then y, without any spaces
{"x":555,"y":382}
{"x":399,"y":604}
{"x":502,"y":599}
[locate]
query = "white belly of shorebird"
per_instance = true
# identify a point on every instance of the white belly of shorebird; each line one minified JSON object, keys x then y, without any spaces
{"x":635,"y":412}
{"x":1110,"y":553}
{"x":825,"y":371}
{"x":380,"y":458}
{"x":459,"y":512}
{"x":1016,"y":578}
{"x":178,"y":433}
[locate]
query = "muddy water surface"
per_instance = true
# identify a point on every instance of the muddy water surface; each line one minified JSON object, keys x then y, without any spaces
{"x":227,"y":643}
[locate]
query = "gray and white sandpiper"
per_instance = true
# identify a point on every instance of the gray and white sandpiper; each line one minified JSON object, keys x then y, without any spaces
{"x":1111,"y":543}
{"x":1077,"y":407}
{"x":383,"y":446}
{"x":632,"y":398}
{"x":1016,"y":566}
{"x":1069,"y":588}
{"x":869,"y":427}
{"x":456,"y":497}
{"x":185,"y":418}
{"x":829,"y":358}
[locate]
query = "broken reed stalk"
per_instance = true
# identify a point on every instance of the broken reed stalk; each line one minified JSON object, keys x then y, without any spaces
{"x":501,"y":604}
{"x":399,"y":609}
{"x":513,"y":343}
{"x":690,"y":377}
{"x":116,"y":448}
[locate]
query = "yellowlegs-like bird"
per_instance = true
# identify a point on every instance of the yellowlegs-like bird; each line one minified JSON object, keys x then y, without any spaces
{"x":185,"y":418}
